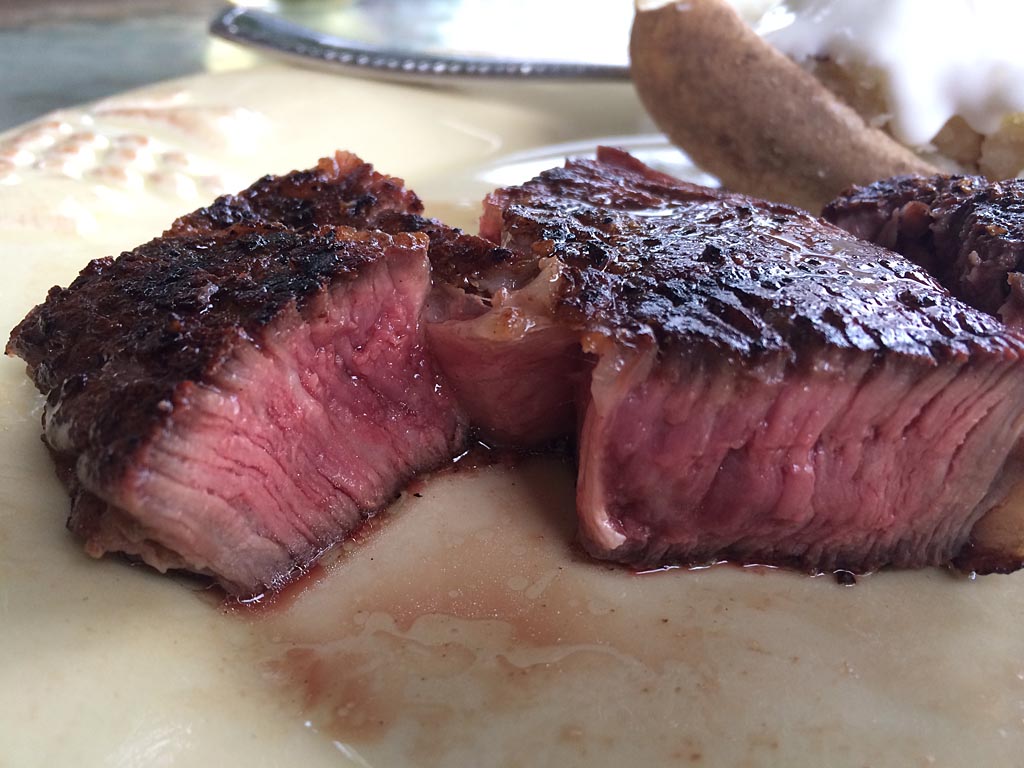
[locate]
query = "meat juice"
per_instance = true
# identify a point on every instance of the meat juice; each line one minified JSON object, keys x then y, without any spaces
{"x":475,"y":632}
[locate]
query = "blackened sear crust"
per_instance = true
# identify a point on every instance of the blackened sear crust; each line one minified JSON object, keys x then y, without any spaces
{"x":966,"y":231}
{"x":875,"y":212}
{"x":982,"y":241}
{"x":649,"y":255}
{"x":474,"y":265}
{"x":341,"y":190}
{"x":118,"y":347}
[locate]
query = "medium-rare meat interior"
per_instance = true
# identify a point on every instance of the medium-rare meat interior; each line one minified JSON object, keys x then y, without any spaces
{"x":966,"y":231}
{"x":234,"y":403}
{"x":765,"y":387}
{"x":743,"y":381}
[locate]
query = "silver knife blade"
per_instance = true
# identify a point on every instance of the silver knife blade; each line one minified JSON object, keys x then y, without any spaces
{"x":305,"y":45}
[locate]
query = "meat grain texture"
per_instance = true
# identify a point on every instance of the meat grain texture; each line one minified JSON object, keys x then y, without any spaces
{"x":238,"y":395}
{"x":764,"y":386}
{"x":744,"y":381}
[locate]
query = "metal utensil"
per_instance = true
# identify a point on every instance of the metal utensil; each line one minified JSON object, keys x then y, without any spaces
{"x":302,"y":44}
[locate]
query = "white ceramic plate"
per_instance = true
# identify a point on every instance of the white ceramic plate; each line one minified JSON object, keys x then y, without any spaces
{"x":465,"y":629}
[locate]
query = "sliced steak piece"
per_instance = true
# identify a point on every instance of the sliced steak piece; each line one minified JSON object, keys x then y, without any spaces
{"x":493,"y":365}
{"x":765,"y":388}
{"x":966,"y":231}
{"x":233,"y":403}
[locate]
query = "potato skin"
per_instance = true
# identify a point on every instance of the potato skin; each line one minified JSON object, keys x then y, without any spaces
{"x":749,"y":115}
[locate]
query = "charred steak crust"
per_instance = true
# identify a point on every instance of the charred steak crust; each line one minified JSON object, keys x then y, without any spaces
{"x":653,"y":257}
{"x":136,"y":341}
{"x":966,"y":231}
{"x":341,"y":190}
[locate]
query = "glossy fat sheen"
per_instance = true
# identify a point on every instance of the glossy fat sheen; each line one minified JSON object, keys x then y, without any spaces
{"x":903,"y":668}
{"x":767,"y":387}
{"x":966,"y":231}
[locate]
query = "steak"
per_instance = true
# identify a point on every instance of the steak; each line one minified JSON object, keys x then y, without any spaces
{"x":493,"y":365}
{"x":763,"y":387}
{"x":745,"y":382}
{"x":966,"y":231}
{"x":253,"y":384}
{"x":234,"y":402}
